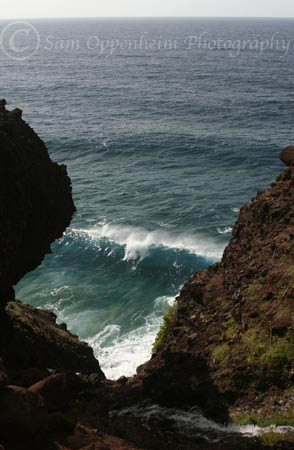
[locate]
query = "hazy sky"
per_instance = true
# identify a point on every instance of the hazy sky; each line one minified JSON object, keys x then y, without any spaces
{"x":99,"y":8}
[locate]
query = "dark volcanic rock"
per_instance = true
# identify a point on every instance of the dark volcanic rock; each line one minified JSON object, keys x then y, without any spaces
{"x":36,"y":204}
{"x":57,"y":390}
{"x":30,"y":338}
{"x":27,"y":377}
{"x":287,"y":156}
{"x":3,"y":374}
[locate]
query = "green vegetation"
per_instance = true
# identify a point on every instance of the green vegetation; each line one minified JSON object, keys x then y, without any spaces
{"x":31,"y":320}
{"x":259,"y":351}
{"x":252,"y":291}
{"x":279,"y":355}
{"x":255,"y":343}
{"x":290,"y":271}
{"x":288,"y":282}
{"x":271,"y":438}
{"x":233,"y":328}
{"x":160,"y":335}
{"x":221,"y":354}
{"x":283,"y":293}
{"x":262,"y":422}
{"x":274,"y":354}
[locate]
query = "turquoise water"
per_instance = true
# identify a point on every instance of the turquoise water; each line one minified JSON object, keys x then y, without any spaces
{"x":163,"y":146}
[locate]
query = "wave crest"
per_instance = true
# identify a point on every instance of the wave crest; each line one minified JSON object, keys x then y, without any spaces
{"x":137,"y":242}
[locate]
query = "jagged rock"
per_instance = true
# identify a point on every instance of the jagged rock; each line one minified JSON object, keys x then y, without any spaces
{"x":17,"y":113}
{"x":30,"y":337}
{"x":22,"y":414}
{"x":36,"y":204}
{"x":63,"y":326}
{"x":287,"y":156}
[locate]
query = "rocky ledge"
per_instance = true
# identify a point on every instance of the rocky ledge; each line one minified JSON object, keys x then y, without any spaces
{"x":31,"y":338}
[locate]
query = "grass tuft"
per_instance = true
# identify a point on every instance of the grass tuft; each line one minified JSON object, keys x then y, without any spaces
{"x":161,"y":333}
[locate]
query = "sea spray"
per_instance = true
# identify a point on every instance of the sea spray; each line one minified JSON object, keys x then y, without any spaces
{"x":137,"y":241}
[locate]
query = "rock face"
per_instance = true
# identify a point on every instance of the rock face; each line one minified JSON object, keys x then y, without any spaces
{"x":230,"y":337}
{"x":30,"y":337}
{"x":36,"y":204}
{"x":3,"y":374}
{"x":57,"y":390}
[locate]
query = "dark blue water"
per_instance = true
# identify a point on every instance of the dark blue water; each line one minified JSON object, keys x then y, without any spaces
{"x":167,"y":127}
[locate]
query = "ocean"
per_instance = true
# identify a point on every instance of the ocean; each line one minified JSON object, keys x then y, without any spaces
{"x":167,"y":127}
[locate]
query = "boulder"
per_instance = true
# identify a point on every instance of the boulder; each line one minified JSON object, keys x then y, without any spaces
{"x":22,"y":413}
{"x":57,"y":390}
{"x":30,"y":337}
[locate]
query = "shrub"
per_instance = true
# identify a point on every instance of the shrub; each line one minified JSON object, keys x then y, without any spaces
{"x":160,"y":335}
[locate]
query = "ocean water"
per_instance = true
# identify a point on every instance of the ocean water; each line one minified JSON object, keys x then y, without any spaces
{"x":167,"y":126}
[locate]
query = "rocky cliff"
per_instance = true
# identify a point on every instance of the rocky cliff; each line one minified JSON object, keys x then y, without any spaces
{"x":36,"y":205}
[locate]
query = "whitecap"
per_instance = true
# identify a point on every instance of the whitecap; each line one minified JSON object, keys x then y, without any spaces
{"x":225,"y":230}
{"x":138,"y":242}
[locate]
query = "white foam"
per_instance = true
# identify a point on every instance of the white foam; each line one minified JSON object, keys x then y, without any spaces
{"x":138,"y":241}
{"x":192,"y":422}
{"x":120,"y":354}
{"x":161,"y":302}
{"x":225,"y":230}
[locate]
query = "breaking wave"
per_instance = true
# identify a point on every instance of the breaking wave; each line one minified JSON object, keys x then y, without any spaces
{"x":137,"y":242}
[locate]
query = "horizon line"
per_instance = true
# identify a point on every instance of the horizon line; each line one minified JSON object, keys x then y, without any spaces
{"x":146,"y":17}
